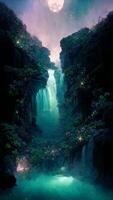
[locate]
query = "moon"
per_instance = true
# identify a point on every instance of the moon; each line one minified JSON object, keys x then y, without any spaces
{"x":55,"y":5}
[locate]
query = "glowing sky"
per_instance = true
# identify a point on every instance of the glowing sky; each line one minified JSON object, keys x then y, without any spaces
{"x":51,"y":27}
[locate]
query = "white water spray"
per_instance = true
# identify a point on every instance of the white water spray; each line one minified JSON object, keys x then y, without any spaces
{"x":47,"y":108}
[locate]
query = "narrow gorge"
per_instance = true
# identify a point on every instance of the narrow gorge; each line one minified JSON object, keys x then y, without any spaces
{"x":56,"y":118}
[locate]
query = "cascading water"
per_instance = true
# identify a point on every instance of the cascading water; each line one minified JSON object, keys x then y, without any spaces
{"x":83,"y":167}
{"x":47,"y":106}
{"x":87,"y":160}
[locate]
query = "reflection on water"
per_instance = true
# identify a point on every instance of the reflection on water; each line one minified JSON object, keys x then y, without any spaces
{"x":56,"y":187}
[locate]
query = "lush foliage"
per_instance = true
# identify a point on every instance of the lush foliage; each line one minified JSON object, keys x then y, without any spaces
{"x":10,"y":142}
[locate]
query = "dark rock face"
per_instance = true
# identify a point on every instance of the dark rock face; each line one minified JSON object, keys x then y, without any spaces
{"x":23,"y":71}
{"x":102,"y":157}
{"x":87,"y":60}
{"x":7,"y":181}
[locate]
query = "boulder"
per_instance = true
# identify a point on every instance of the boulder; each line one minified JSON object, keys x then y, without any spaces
{"x":7,"y":181}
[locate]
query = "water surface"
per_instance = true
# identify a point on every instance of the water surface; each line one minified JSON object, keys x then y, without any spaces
{"x":55,"y":187}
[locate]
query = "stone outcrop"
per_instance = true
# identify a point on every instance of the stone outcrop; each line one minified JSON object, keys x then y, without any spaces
{"x":23,"y":71}
{"x":87,"y":60}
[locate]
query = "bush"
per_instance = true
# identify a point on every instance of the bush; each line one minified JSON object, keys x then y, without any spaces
{"x":37,"y":157}
{"x":10,"y":142}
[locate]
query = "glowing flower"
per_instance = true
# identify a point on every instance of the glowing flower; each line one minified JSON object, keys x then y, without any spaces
{"x":82,"y":83}
{"x":22,"y":165}
{"x":80,"y":139}
{"x":18,"y":42}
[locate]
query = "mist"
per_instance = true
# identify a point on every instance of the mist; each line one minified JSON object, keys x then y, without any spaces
{"x":57,"y":137}
{"x":51,"y":27}
{"x":44,"y":187}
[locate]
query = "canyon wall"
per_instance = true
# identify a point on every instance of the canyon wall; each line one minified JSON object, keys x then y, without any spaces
{"x":87,"y":64}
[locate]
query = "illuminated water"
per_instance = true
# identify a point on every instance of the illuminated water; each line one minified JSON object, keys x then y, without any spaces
{"x":47,"y":106}
{"x":57,"y":187}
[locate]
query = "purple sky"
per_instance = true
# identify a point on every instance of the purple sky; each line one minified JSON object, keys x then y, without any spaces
{"x":51,"y":27}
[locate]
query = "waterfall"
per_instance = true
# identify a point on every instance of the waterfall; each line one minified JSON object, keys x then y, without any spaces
{"x":43,"y":100}
{"x":83,"y":157}
{"x":61,"y":87}
{"x":59,"y":76}
{"x":87,"y":159}
{"x":47,"y":108}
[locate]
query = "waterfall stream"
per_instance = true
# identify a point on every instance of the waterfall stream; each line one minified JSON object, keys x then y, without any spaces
{"x":87,"y":159}
{"x":83,"y":167}
{"x":47,"y":106}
